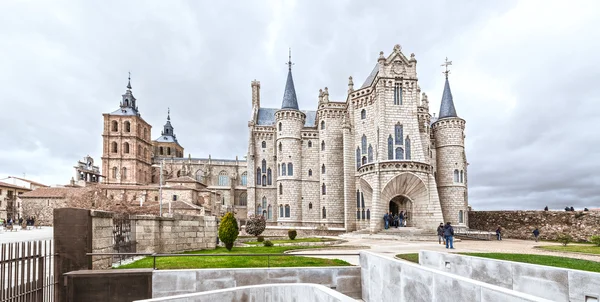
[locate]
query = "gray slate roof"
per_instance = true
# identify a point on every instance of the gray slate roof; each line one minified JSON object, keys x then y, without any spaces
{"x":447,"y":106}
{"x":289,"y":95}
{"x":125,"y":111}
{"x":166,"y":139}
{"x":371,"y":77}
{"x":266,"y":117}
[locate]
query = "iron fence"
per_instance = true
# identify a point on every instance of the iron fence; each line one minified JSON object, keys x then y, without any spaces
{"x":124,"y":242}
{"x":27,"y":271}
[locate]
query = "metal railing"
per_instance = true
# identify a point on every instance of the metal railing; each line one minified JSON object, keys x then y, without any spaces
{"x":155,"y":255}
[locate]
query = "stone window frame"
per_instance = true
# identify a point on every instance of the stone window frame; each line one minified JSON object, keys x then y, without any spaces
{"x":290,"y":169}
{"x":223,"y":178}
{"x":358,"y":162}
{"x":263,"y":144}
{"x":323,"y":189}
{"x":280,"y":126}
{"x":310,"y":206}
{"x":257,"y":176}
{"x":363,"y":114}
{"x":283,"y":169}
{"x":114,"y":126}
{"x":269,"y":177}
{"x":287,"y":211}
{"x":174,"y":197}
{"x":324,"y":213}
{"x":398,"y":134}
{"x":124,"y":173}
{"x":407,"y":150}
{"x":242,"y":200}
{"x":281,"y":211}
{"x":456,"y":176}
{"x":461,"y":218}
{"x":461,"y":176}
{"x":310,"y":144}
{"x":244,"y":179}
{"x":390,"y":148}
{"x":370,"y":154}
{"x":397,"y":94}
{"x":126,"y":147}
{"x":399,"y":153}
{"x":363,"y":144}
{"x":264,"y":180}
{"x":280,"y":189}
{"x":160,"y":150}
{"x":322,"y":145}
{"x":264,"y":166}
{"x":322,"y":125}
{"x":115,"y":171}
{"x":127,"y":126}
{"x":323,"y":169}
{"x":309,"y":172}
{"x":114,"y":147}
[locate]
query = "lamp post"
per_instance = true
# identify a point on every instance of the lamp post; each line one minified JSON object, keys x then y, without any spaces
{"x":160,"y":185}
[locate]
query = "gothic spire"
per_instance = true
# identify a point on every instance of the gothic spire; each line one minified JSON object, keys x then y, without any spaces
{"x":129,"y":81}
{"x":289,"y":95}
{"x":447,"y":106}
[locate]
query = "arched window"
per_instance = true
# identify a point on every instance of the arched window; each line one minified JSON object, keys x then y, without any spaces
{"x":310,"y":144}
{"x":456,"y":176}
{"x":257,"y":176}
{"x":357,"y":214}
{"x":364,"y":160}
{"x":243,"y":200}
{"x":397,"y":94}
{"x":309,"y":172}
{"x":126,"y":147}
{"x":323,"y":146}
{"x":269,"y":177}
{"x":407,"y":145}
{"x":362,"y":199}
{"x":160,"y":150}
{"x":280,"y":189}
{"x":310,"y":205}
{"x":223,"y":178}
{"x":200,"y":176}
{"x":290,"y":169}
{"x":357,"y":198}
{"x":461,"y":219}
{"x":283,"y":170}
{"x":126,"y":102}
{"x":399,"y":133}
{"x":244,"y":179}
{"x":270,"y":213}
{"x":357,"y":157}
{"x":363,"y":214}
{"x":264,"y":203}
{"x":179,"y":173}
{"x":264,"y":166}
{"x":145,"y":153}
{"x":280,"y":147}
{"x":145,"y":133}
{"x":263,"y":144}
{"x":323,"y":189}
{"x":399,"y":153}
{"x":124,"y":176}
{"x":390,"y":147}
{"x":370,"y":153}
{"x":363,"y":114}
{"x":461,"y":176}
{"x":322,"y":125}
{"x":287,"y":210}
{"x":114,"y":174}
{"x":167,"y":131}
{"x":264,"y":180}
{"x":363,"y":144}
{"x":323,"y":169}
{"x":368,"y":214}
{"x":280,"y":126}
{"x":259,"y":210}
{"x":168,"y":150}
{"x":280,"y":211}
{"x":324,"y":213}
{"x":114,"y":148}
{"x":115,"y":126}
{"x":127,"y":126}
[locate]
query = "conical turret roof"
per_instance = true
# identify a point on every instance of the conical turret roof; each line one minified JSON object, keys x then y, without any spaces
{"x":447,"y":106}
{"x":289,"y":95}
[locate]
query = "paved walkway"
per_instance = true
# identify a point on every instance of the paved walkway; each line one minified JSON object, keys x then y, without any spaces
{"x":44,"y":233}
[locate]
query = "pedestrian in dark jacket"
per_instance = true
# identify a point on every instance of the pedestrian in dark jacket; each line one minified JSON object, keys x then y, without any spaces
{"x":536,"y":234}
{"x":440,"y":232}
{"x":449,"y":234}
{"x":385,"y":219}
{"x":499,"y":233}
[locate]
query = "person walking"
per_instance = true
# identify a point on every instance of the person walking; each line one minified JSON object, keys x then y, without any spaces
{"x":440,"y":232}
{"x":499,"y":233}
{"x":401,"y":218}
{"x":385,"y":219}
{"x":449,"y":234}
{"x":536,"y":234}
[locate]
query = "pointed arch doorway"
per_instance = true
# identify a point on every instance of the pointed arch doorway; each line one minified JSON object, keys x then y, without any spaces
{"x":401,"y":203}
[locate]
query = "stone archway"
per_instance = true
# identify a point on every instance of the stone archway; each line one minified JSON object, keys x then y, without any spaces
{"x":402,"y":204}
{"x":407,"y":191}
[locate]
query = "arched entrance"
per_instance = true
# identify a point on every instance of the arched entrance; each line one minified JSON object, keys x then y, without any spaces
{"x":407,"y":192}
{"x":402,"y":204}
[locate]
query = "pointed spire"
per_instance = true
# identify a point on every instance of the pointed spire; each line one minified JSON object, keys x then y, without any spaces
{"x":129,"y":81}
{"x":168,"y":114}
{"x":289,"y":95}
{"x":447,"y":106}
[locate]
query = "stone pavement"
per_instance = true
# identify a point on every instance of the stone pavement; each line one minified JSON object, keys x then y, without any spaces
{"x":44,"y":233}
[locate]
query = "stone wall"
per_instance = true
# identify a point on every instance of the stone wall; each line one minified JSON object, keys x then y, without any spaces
{"x":102,"y":238}
{"x":520,"y":224}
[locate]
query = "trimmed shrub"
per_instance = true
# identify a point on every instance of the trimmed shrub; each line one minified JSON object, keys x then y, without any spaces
{"x":595,"y":240}
{"x":228,"y":230}
{"x":564,"y":239}
{"x":260,"y":239}
{"x":256,"y":224}
{"x":292,"y":234}
{"x":268,"y":243}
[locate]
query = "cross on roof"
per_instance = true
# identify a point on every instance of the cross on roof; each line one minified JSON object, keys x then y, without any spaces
{"x":446,"y":64}
{"x":289,"y":63}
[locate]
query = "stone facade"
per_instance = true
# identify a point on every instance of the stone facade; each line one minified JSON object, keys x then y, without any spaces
{"x":8,"y":199}
{"x":520,"y":224}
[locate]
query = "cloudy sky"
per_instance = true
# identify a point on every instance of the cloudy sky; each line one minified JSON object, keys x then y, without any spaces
{"x":526,"y":77}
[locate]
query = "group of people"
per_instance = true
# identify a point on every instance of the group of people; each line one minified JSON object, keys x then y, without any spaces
{"x":446,"y":234}
{"x":391,"y":220}
{"x":30,"y":221}
{"x":536,"y":233}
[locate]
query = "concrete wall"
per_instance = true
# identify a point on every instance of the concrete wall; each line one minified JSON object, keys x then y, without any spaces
{"x":108,"y":285}
{"x":520,"y":224}
{"x":552,"y":283}
{"x":386,"y":279}
{"x":345,"y":280}
{"x":271,"y":292}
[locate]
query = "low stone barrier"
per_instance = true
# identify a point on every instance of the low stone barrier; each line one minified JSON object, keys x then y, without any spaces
{"x":557,"y":284}
{"x":386,"y":279}
{"x":299,"y":292}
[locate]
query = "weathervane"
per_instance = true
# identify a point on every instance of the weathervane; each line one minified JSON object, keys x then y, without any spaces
{"x":446,"y":64}
{"x":289,"y":63}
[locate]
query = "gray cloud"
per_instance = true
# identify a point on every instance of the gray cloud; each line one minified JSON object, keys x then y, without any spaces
{"x":524,"y":78}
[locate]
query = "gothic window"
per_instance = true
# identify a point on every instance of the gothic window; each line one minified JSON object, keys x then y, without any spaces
{"x":257,"y":176}
{"x":363,"y":214}
{"x":290,"y":169}
{"x":160,"y":150}
{"x":243,"y":201}
{"x":269,"y":177}
{"x":323,"y":169}
{"x":456,"y":176}
{"x":407,"y":145}
{"x":460,"y":217}
{"x":399,"y":131}
{"x":280,"y":147}
{"x":310,"y":205}
{"x":283,"y":169}
{"x":280,"y":126}
{"x":259,"y":210}
{"x":363,"y":144}
{"x":264,"y":166}
{"x":310,"y":144}
{"x":324,"y":213}
{"x":114,"y":174}
{"x":126,"y":147}
{"x":223,"y":178}
{"x":362,"y":199}
{"x":309,"y":172}
{"x":263,"y":144}
{"x":363,"y":114}
{"x":115,"y":126}
{"x":127,"y":126}
{"x":287,"y":210}
{"x":461,"y":176}
{"x":264,"y":180}
{"x":322,"y":125}
{"x":370,"y":153}
{"x":270,"y":213}
{"x":244,"y":179}
{"x":124,"y":176}
{"x":399,"y":153}
{"x":364,"y":160}
{"x":397,"y":94}
{"x":368,"y":214}
{"x":390,"y":147}
{"x":280,"y":210}
{"x":357,"y":214}
{"x":280,"y":189}
{"x":323,"y":146}
{"x":324,"y":189}
{"x":115,"y":147}
{"x":264,"y":202}
{"x":357,"y":157}
{"x":357,"y":198}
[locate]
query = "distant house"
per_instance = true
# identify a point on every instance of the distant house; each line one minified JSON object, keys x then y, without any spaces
{"x":8,"y":199}
{"x":24,"y":183}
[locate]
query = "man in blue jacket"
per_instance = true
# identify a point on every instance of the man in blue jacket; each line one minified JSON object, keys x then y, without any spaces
{"x":449,"y":234}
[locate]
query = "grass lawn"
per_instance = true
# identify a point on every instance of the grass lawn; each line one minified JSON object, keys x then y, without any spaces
{"x":588,"y":248}
{"x":299,"y":240}
{"x":239,"y":261}
{"x":555,"y":261}
{"x":413,"y":257}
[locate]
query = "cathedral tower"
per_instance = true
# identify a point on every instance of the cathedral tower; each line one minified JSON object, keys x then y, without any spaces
{"x":167,"y":145}
{"x":126,"y":150}
{"x":451,"y":166}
